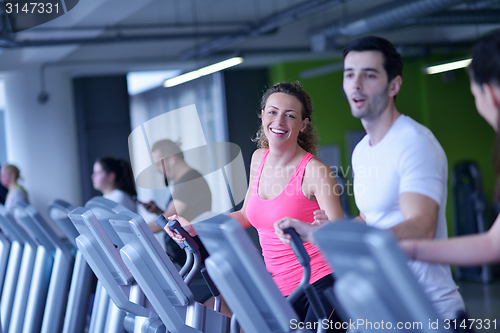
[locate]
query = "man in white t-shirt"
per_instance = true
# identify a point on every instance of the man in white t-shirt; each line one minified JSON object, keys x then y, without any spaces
{"x":400,"y":169}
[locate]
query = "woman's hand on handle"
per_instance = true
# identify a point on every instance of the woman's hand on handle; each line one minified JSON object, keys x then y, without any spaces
{"x":184,"y":224}
{"x":305,"y":230}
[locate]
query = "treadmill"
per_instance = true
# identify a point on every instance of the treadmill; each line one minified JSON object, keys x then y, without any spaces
{"x":42,"y":309}
{"x":82,"y":279}
{"x":19,"y":268}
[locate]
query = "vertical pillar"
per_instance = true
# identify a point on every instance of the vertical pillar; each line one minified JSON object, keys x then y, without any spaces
{"x":41,"y":137}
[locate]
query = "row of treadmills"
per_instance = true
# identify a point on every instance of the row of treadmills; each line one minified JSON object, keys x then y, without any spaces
{"x":47,"y":283}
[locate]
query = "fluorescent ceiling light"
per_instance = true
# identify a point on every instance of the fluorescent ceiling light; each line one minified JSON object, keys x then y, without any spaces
{"x":138,"y":82}
{"x":449,"y":66}
{"x":202,"y":72}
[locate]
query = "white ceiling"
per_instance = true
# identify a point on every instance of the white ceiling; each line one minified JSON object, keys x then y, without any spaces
{"x":122,"y":35}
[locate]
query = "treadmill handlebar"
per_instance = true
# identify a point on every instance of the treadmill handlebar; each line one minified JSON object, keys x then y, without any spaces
{"x":176,"y":226}
{"x":315,"y":302}
{"x":298,"y":247}
{"x":162,"y":222}
{"x":209,"y":282}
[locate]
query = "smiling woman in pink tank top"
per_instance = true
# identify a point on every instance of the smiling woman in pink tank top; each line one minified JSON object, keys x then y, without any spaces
{"x":286,"y":180}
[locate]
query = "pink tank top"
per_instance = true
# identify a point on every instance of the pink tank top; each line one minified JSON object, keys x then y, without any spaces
{"x":262,"y":214}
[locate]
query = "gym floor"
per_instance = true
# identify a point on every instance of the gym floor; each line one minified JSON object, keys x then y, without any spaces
{"x":482,"y":302}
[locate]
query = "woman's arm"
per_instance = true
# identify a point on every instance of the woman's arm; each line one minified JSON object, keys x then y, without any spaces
{"x":241,"y":215}
{"x":320,"y":183}
{"x":470,"y":250}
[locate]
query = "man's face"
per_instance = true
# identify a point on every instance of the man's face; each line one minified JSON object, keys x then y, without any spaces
{"x":365,"y":84}
{"x":157,"y":156}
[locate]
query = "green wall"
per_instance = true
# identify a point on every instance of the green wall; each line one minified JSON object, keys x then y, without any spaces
{"x":445,"y":107}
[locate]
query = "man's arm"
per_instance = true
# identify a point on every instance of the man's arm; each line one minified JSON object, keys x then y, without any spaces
{"x":174,"y":207}
{"x":421,"y":217}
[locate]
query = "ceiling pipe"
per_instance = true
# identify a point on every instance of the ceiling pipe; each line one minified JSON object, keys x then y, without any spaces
{"x":451,"y":17}
{"x":12,"y":43}
{"x":456,"y":17}
{"x":374,"y":19}
{"x":264,"y":26}
{"x":144,"y":26}
{"x":480,"y":4}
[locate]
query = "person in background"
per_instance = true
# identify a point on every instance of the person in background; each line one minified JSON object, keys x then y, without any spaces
{"x":113,"y":177}
{"x":191,"y":197}
{"x":477,"y":249}
{"x":9,"y":174}
{"x":3,"y":193}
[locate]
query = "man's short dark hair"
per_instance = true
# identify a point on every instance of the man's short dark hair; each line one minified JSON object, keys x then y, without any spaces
{"x":485,"y":65}
{"x":392,"y":59}
{"x":168,"y":148}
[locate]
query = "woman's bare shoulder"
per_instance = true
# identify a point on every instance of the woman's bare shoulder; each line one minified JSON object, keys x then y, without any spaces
{"x":256,"y":159}
{"x":257,"y":155}
{"x":318,"y":169}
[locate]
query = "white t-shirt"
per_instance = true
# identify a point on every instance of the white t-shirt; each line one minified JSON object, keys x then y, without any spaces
{"x":122,"y":198}
{"x":408,"y":159}
{"x":17,"y":194}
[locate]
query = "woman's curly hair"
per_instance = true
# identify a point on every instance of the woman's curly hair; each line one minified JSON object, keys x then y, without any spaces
{"x":308,"y":139}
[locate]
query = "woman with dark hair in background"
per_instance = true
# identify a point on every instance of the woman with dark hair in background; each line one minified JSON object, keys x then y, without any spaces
{"x":8,"y":177}
{"x":113,"y":177}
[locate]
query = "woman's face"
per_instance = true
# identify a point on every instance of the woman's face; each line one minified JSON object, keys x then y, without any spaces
{"x":484,"y":99}
{"x":282,"y":119}
{"x":100,"y":179}
{"x":5,"y":177}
